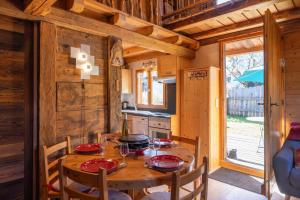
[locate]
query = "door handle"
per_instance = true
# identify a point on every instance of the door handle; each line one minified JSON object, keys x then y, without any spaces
{"x":260,"y":104}
{"x":274,"y":104}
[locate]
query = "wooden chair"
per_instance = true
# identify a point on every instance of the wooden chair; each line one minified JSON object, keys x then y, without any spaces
{"x":196,"y":145}
{"x":180,"y":180}
{"x":96,"y":181}
{"x":50,"y":168}
{"x":50,"y":182}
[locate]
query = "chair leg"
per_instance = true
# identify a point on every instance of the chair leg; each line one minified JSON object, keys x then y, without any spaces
{"x":287,"y":197}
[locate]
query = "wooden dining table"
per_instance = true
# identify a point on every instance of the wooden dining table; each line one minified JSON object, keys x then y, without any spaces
{"x":136,"y":175}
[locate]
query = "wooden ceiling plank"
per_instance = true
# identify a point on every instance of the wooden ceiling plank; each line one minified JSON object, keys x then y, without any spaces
{"x":233,"y":35}
{"x":220,"y":11}
{"x":281,"y":6}
{"x":38,"y":7}
{"x":281,"y":16}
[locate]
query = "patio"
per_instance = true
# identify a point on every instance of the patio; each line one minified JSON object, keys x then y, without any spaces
{"x":244,"y":136}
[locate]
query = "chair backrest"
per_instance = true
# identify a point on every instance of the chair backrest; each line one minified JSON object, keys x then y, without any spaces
{"x":51,"y":168}
{"x":201,"y":189}
{"x":88,"y":179}
{"x":196,"y":143}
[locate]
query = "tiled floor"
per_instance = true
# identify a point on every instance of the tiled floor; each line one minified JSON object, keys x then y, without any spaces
{"x":221,"y":191}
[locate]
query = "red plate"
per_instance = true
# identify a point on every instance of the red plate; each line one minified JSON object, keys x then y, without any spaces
{"x":166,"y":162}
{"x":165,"y":142}
{"x":87,"y":148}
{"x":93,"y":166}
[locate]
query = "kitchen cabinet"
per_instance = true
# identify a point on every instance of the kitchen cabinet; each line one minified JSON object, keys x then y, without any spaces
{"x":126,"y":81}
{"x":200,"y":110}
{"x":166,"y":66}
{"x":138,"y":124}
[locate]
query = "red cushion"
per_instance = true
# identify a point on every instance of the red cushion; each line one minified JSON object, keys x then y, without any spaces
{"x":294,"y":133}
{"x":295,"y":124}
{"x":297,"y":158}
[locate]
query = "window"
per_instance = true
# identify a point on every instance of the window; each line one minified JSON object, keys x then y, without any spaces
{"x":222,"y":1}
{"x":150,"y":93}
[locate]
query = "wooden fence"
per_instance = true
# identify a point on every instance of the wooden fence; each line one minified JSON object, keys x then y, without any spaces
{"x":245,"y":101}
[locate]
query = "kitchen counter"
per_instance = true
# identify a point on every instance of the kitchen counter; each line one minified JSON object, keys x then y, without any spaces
{"x":147,"y":113}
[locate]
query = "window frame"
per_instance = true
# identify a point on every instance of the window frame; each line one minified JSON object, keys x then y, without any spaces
{"x":149,"y":105}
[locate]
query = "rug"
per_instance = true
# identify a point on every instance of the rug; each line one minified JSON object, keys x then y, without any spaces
{"x":238,"y":179}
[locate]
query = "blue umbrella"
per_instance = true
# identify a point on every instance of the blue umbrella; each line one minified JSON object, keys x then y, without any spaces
{"x":256,"y":76}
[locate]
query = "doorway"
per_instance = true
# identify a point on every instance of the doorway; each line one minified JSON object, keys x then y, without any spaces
{"x":243,"y":90}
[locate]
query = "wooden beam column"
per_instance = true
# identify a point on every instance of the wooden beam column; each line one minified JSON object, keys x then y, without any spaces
{"x":47,"y":83}
{"x":114,"y":91}
{"x":47,"y":96}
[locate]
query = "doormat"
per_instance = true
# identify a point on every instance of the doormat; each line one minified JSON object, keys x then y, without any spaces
{"x":238,"y":179}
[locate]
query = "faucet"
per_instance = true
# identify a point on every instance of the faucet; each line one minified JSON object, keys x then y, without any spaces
{"x":134,"y":105}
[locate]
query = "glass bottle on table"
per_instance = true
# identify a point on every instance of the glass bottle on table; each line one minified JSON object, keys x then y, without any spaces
{"x":125,"y":131}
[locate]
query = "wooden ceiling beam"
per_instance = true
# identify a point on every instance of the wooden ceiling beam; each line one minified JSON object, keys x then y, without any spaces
{"x":125,"y":21}
{"x":76,"y":22}
{"x":151,"y":30}
{"x":248,"y":24}
{"x":133,"y":51}
{"x":85,"y":24}
{"x":38,"y":7}
{"x":243,"y":50}
{"x":221,"y":10}
{"x":145,"y":56}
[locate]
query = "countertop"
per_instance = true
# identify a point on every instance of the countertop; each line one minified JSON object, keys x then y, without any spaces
{"x":147,"y":113}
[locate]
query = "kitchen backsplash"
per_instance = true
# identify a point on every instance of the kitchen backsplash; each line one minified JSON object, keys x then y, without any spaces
{"x":171,"y":100}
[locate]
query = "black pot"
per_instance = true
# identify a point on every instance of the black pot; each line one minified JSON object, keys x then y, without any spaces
{"x":135,"y":141}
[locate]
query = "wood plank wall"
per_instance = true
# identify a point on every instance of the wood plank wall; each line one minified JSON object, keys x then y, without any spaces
{"x":11,"y":110}
{"x":69,"y":105}
{"x":292,"y":77}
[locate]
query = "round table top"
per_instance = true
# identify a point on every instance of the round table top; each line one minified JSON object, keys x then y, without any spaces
{"x":135,"y":174}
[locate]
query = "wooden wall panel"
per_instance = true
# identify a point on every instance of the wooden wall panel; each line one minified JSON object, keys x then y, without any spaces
{"x":292,"y":77}
{"x":78,"y":107}
{"x":69,"y":96}
{"x":11,"y":114}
